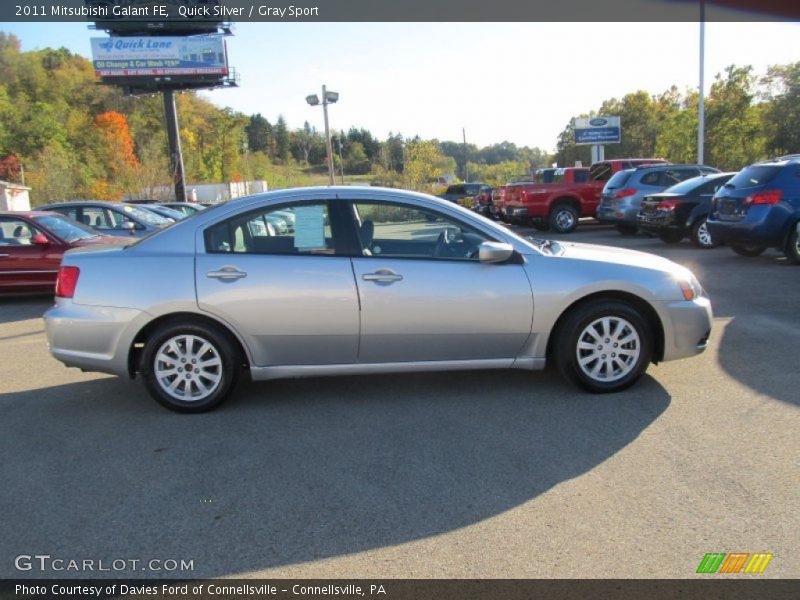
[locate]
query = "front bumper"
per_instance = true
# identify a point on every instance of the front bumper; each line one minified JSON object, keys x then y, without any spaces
{"x":92,"y":338}
{"x":687,"y":326}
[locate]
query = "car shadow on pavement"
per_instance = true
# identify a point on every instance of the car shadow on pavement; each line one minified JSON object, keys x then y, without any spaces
{"x":24,"y":307}
{"x":761,"y":352}
{"x":296,"y":470}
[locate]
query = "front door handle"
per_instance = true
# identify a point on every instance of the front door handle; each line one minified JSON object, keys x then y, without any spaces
{"x":227,"y":273}
{"x":382,"y":276}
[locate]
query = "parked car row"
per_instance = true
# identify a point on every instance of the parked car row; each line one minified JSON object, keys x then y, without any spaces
{"x":32,"y":243}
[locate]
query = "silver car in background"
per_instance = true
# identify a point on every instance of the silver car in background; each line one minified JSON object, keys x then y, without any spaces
{"x":368,"y":280}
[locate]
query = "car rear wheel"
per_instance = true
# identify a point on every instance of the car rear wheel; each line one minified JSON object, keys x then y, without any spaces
{"x":792,"y":250}
{"x":749,"y":250}
{"x":671,"y":236}
{"x":604,"y":346}
{"x":701,"y":236}
{"x":626,"y":229}
{"x":563,"y":218}
{"x":190,"y":367}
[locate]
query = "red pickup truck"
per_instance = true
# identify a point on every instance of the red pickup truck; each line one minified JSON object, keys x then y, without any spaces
{"x":574,"y":193}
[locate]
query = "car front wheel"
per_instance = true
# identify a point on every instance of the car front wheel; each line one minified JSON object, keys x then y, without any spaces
{"x":604,"y":346}
{"x":190,"y":367}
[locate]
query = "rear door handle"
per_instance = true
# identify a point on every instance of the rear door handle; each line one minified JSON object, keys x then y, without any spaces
{"x":227,"y":273}
{"x":382,"y":276}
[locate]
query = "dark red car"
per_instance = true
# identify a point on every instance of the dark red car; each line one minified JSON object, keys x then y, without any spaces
{"x":32,"y":244}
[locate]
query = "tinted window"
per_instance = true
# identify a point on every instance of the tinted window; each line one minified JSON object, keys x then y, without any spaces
{"x":619,"y":179}
{"x":581,"y":176}
{"x":273,"y":231}
{"x":654,"y":178}
{"x":402,"y":231}
{"x":753,"y":176}
{"x":455,"y":189}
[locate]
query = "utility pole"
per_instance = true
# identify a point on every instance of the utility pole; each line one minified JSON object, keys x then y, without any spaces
{"x":174,"y":138}
{"x":701,"y":104}
{"x":466,"y":166}
{"x":328,"y":144}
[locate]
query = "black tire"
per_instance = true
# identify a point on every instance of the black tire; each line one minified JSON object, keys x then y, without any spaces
{"x":701,"y":237}
{"x":563,"y":218}
{"x":749,"y":250}
{"x":540,"y":225}
{"x":226,"y":374}
{"x":573,"y":330}
{"x":792,"y":250}
{"x":671,"y":236}
{"x":626,"y":229}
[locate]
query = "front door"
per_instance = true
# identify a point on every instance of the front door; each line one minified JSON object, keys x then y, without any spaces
{"x":424,"y":294}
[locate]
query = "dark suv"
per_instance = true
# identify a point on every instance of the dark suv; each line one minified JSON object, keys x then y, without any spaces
{"x":622,"y":195}
{"x":760,"y":208}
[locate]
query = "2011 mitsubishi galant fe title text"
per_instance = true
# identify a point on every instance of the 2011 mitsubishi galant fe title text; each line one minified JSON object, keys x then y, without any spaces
{"x":367,"y":281}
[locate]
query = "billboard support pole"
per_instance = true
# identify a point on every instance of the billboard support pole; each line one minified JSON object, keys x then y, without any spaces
{"x":174,"y":139}
{"x":598,"y":153}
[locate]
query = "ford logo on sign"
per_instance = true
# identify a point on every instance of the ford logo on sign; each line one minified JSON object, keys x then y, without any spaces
{"x":598,"y":122}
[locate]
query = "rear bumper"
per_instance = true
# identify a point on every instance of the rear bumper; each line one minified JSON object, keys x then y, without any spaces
{"x":760,"y":232}
{"x":658,"y":222}
{"x":687,"y":326}
{"x":92,"y":338}
{"x":617,"y":213}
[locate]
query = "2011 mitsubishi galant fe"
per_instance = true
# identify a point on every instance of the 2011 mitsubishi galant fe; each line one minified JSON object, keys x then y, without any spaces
{"x":368,"y":280}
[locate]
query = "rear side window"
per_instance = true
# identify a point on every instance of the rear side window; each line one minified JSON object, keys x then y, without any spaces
{"x":455,"y":189}
{"x":580,"y":176}
{"x":753,"y":176}
{"x":619,"y":179}
{"x":299,"y":229}
{"x":654,"y":178}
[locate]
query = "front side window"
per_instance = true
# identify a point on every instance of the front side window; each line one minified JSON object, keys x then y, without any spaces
{"x":297,"y":229}
{"x":392,"y":230}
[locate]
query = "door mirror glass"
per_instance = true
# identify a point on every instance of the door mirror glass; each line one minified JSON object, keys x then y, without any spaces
{"x":495,"y":252}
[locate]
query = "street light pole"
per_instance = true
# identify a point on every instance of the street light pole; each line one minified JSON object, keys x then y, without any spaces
{"x":328,"y":145}
{"x":701,"y":104}
{"x":327,"y":98}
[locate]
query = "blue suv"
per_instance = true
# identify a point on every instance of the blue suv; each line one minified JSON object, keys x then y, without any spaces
{"x":759,"y":208}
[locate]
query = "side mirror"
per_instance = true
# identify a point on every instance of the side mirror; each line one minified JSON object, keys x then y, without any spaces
{"x":494,"y":252}
{"x":40,"y":240}
{"x":128,"y":226}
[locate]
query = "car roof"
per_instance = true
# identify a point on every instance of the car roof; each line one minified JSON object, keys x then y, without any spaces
{"x":85,"y":203}
{"x":27,"y":213}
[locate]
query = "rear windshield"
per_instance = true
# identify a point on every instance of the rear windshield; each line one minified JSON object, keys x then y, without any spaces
{"x":753,"y":176}
{"x":619,"y":179}
{"x":68,"y":230}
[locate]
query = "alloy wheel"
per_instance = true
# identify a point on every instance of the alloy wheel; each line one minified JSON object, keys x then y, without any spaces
{"x":188,"y":368}
{"x":608,"y":349}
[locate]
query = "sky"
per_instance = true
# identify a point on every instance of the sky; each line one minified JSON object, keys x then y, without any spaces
{"x":519,"y":82}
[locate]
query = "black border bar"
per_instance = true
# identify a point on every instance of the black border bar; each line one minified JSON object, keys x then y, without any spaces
{"x":407,"y":10}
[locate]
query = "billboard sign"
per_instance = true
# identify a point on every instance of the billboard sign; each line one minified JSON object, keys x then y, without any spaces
{"x":125,"y":57}
{"x":597,"y":130}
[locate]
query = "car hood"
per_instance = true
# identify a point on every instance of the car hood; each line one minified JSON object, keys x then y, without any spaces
{"x":618,"y":256}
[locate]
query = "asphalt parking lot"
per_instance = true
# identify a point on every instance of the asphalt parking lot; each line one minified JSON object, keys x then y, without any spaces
{"x":483,"y":474}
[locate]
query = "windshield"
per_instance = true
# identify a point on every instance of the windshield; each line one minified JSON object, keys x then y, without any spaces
{"x":145,"y":216}
{"x":65,"y":229}
{"x":689,"y":185}
{"x":753,"y":176}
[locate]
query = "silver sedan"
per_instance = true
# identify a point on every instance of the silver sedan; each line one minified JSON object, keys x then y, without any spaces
{"x":367,"y":281}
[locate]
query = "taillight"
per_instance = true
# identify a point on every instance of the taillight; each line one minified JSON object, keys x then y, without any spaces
{"x":765,"y":197}
{"x":67,"y":281}
{"x":668,"y":204}
{"x":625,"y":192}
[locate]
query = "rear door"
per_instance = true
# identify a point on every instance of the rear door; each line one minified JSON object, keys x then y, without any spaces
{"x":290,"y":294}
{"x":24,"y":265}
{"x":424,"y":294}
